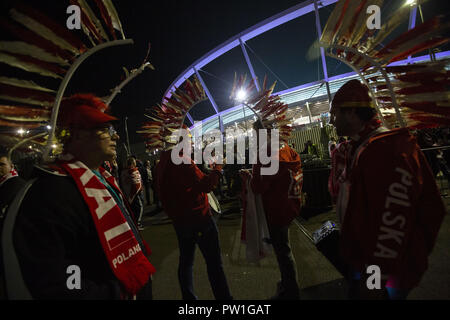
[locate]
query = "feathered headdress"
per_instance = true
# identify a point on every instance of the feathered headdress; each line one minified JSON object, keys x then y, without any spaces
{"x":414,"y":95}
{"x":45,"y":48}
{"x":169,"y":116}
{"x":268,"y":108}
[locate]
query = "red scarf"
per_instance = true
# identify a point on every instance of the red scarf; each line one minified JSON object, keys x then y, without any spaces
{"x":9,"y":175}
{"x":121,"y":248}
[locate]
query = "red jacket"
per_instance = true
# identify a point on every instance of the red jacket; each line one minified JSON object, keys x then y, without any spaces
{"x":182,"y":190}
{"x":281,"y":192}
{"x":391,"y":208}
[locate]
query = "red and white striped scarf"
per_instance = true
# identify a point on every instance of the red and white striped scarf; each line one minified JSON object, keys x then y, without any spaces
{"x":122,"y":250}
{"x":11,"y":174}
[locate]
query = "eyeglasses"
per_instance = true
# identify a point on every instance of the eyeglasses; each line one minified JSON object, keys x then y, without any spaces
{"x":110,"y":130}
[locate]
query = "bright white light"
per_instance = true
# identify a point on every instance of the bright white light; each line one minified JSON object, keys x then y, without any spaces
{"x":241,"y":95}
{"x":49,"y":127}
{"x":20,"y":131}
{"x":54,"y":146}
{"x":410,"y":2}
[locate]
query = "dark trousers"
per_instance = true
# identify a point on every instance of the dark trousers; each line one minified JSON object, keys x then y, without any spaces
{"x":147,"y":192}
{"x":207,"y":239}
{"x":138,"y":207}
{"x":279,"y":237}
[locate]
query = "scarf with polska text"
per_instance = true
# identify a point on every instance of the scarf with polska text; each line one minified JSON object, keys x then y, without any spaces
{"x":122,"y":250}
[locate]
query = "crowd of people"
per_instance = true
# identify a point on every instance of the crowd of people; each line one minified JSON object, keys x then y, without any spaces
{"x":82,"y":210}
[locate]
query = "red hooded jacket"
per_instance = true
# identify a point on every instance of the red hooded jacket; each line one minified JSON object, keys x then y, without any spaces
{"x":281,"y":192}
{"x":182,"y":190}
{"x":391,"y":208}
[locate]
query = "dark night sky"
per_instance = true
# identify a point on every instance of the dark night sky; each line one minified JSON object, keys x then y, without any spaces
{"x":180,"y":32}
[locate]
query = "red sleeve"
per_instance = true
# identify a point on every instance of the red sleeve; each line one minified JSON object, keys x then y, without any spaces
{"x":203,"y":182}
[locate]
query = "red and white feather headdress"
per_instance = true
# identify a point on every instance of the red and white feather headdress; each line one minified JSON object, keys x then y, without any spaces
{"x":169,"y":116}
{"x":45,"y":48}
{"x":414,"y":95}
{"x":269,"y":109}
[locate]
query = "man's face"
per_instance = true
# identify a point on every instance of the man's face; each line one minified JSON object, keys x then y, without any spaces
{"x":342,"y":121}
{"x":5,"y":166}
{"x":107,"y":142}
{"x":100,"y":142}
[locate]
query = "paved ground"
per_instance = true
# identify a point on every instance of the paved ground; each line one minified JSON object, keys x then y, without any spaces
{"x":318,"y":279}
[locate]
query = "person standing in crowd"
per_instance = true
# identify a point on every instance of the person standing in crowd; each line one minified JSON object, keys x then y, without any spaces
{"x":389,"y":204}
{"x":310,"y":148}
{"x":155,"y":187}
{"x":10,"y":184}
{"x":147,"y":178}
{"x":131,"y":183}
{"x":281,"y":197}
{"x":338,"y":156}
{"x":75,"y":236}
{"x":183,"y":192}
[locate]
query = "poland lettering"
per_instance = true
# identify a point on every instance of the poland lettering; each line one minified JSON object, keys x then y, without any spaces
{"x":125,"y":256}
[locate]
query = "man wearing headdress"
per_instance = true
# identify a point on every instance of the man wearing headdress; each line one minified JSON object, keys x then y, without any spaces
{"x":281,"y":200}
{"x":389,"y":206}
{"x":75,"y":236}
{"x":183,"y":190}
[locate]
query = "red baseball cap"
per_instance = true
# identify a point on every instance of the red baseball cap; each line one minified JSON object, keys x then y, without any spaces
{"x":85,"y":111}
{"x":353,"y":94}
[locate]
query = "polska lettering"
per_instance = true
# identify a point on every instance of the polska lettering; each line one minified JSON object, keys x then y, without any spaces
{"x":392,"y":223}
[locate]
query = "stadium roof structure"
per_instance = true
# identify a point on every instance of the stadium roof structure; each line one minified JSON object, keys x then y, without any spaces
{"x":308,"y":101}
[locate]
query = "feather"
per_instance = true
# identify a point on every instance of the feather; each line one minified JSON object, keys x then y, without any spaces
{"x":13,"y":93}
{"x":18,"y":124}
{"x":418,"y":48}
{"x":90,"y":27}
{"x":392,"y":22}
{"x":106,"y":17}
{"x":93,"y":19}
{"x":353,"y":11}
{"x":334,"y":22}
{"x":114,"y":16}
{"x":61,"y":31}
{"x":360,"y":30}
{"x":24,"y":114}
{"x":31,"y":50}
{"x":43,"y":31}
{"x":421,"y":89}
{"x":24,"y":84}
{"x":422,"y":31}
{"x":30,"y":65}
{"x":36,"y":40}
